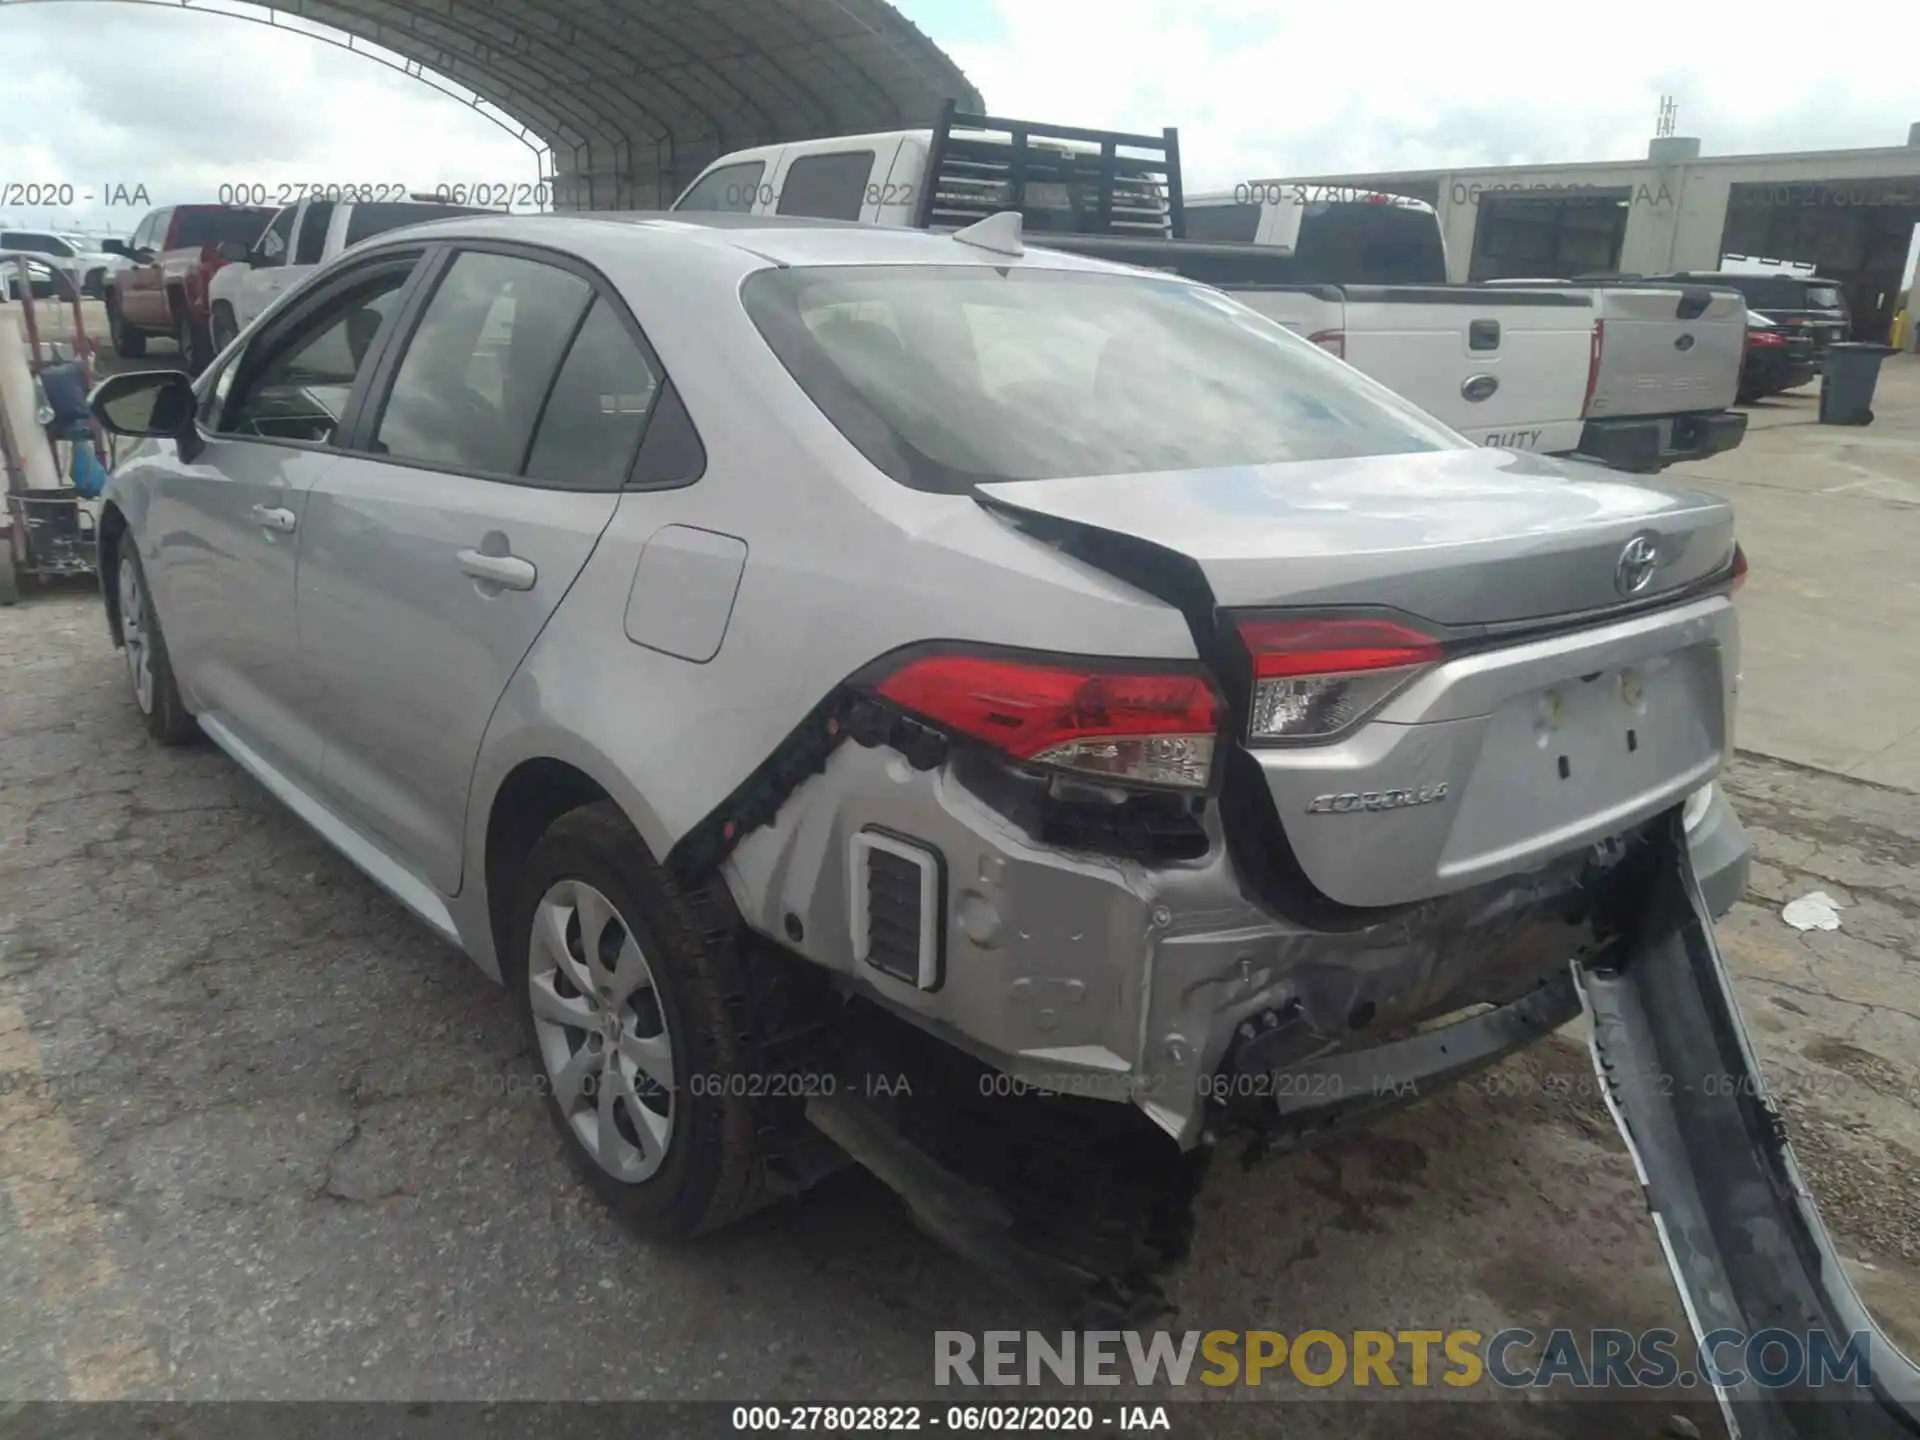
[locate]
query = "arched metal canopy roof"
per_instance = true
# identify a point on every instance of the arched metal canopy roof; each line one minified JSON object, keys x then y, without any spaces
{"x":634,"y":97}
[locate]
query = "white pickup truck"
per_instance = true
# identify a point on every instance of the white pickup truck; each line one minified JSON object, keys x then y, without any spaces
{"x":1636,"y":377}
{"x":297,"y":240}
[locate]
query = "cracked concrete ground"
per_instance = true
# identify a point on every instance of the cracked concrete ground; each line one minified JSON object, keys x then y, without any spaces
{"x":262,"y":1136}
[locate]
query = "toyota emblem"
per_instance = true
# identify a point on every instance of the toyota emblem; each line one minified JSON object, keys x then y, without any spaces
{"x":1636,"y":565}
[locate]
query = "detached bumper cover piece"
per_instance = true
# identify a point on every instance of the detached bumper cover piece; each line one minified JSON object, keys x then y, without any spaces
{"x":1742,"y":1233}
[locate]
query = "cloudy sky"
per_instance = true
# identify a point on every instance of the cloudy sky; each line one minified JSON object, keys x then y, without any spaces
{"x":99,"y":94}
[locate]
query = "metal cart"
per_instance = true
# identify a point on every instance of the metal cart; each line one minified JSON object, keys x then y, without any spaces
{"x":47,"y":526}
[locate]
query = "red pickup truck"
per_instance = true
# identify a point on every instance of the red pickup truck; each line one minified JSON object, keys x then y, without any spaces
{"x":174,"y":252}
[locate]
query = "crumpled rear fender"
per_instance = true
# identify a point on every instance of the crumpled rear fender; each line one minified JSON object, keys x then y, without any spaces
{"x":1741,"y":1231}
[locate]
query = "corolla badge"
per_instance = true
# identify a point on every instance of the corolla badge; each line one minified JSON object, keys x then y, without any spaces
{"x":1352,"y":802}
{"x":1636,"y":565}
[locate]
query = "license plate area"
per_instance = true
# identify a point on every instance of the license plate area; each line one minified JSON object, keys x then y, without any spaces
{"x":1588,"y":754}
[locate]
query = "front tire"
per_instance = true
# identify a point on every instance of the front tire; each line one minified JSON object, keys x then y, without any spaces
{"x":9,"y":580}
{"x":636,"y":1013}
{"x":149,"y":668}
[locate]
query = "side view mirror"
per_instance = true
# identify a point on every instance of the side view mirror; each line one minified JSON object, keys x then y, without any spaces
{"x":144,"y":256}
{"x":115,"y":247}
{"x":238,"y":251}
{"x":148,"y":404}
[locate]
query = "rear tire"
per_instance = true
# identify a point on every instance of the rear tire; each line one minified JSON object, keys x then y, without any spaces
{"x":590,"y":882}
{"x":9,"y":581}
{"x":128,"y":342}
{"x":225,"y":330}
{"x":191,"y":338}
{"x":149,"y":668}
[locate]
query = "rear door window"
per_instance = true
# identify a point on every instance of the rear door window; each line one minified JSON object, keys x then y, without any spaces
{"x":1238,"y":223}
{"x":478,"y":366}
{"x":730,"y":190}
{"x":829,"y":187}
{"x":311,"y":247}
{"x":598,"y":408}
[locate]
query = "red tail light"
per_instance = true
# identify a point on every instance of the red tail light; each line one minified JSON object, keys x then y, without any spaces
{"x":1153,"y":727}
{"x":1314,"y":677}
{"x":1334,"y":342}
{"x":1739,"y":566}
{"x":1594,"y":347}
{"x":1766,"y":339}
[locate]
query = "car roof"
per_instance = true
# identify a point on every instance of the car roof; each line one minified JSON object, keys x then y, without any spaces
{"x":779,"y":239}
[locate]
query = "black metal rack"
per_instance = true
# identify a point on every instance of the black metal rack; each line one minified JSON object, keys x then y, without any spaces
{"x":981,"y":164}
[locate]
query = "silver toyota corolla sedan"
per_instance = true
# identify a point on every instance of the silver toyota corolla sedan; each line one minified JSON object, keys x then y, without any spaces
{"x":1011,"y":719}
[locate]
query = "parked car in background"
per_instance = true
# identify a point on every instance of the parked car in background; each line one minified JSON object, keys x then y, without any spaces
{"x":81,"y":258}
{"x":1777,"y":358}
{"x":1363,"y":274}
{"x":173,"y":256}
{"x":1804,"y":305}
{"x":296,"y":240}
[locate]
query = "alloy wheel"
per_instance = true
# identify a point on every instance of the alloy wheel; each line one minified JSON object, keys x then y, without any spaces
{"x":601,"y":1030}
{"x":133,"y":634}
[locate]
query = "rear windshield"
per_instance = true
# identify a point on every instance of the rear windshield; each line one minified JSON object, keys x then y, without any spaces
{"x":216,"y":224}
{"x":369,"y":220}
{"x":1783,"y":292}
{"x":950,"y":376}
{"x":1239,"y":223}
{"x":1351,"y":242}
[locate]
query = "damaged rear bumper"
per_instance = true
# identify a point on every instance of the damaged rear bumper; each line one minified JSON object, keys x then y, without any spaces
{"x":1741,"y":1232}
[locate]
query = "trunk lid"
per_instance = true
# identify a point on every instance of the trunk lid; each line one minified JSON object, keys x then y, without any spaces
{"x":1565,"y":708}
{"x":1460,"y":537}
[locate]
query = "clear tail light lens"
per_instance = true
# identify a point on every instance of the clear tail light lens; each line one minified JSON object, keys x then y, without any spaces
{"x":1151,"y":727}
{"x":1315,"y":677}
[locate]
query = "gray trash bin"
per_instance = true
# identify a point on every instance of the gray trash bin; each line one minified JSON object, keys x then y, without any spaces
{"x":1846,"y":390}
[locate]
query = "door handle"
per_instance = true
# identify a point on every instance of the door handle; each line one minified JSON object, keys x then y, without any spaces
{"x":509,"y":572}
{"x":274,"y":518}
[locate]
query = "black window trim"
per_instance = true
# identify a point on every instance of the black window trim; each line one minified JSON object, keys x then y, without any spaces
{"x":294,"y":319}
{"x":358,"y":439}
{"x":872,"y":152}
